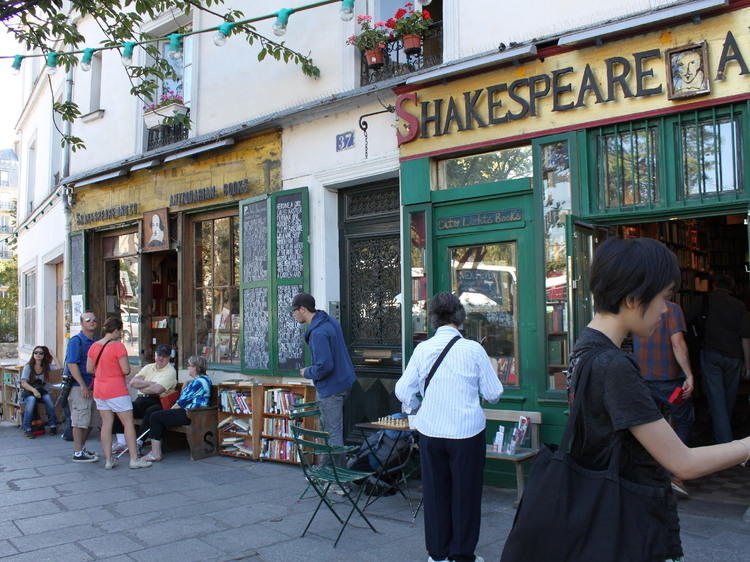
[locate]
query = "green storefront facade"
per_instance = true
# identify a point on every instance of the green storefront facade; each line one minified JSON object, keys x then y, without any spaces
{"x":511,"y":175}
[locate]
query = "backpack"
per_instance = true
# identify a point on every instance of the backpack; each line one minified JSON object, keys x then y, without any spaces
{"x":381,"y":451}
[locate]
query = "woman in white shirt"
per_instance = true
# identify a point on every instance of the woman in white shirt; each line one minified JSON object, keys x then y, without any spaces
{"x":451,"y":427}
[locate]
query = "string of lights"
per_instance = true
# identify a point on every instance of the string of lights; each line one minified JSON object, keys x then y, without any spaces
{"x":222,"y":32}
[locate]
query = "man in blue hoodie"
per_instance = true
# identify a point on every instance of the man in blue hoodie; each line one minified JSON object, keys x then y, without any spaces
{"x":332,"y":371}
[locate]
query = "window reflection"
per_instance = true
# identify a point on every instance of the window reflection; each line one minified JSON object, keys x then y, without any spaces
{"x":711,"y":156}
{"x":217,"y":308}
{"x":500,"y":165}
{"x":629,"y":173}
{"x":485,"y":279}
{"x":557,"y":206}
{"x":122,"y":294}
{"x":419,"y":320}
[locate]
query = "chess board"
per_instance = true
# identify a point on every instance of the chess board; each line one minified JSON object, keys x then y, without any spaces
{"x":388,"y":422}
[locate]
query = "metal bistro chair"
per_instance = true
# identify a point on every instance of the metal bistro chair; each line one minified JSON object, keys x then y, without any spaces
{"x":310,"y":443}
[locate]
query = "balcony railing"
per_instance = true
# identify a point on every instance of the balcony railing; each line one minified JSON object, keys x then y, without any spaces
{"x":5,"y":254}
{"x":396,"y":62}
{"x":166,"y":135}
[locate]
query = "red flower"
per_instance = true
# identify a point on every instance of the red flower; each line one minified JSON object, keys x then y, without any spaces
{"x":425,"y":14}
{"x":391,"y":23}
{"x":400,"y":13}
{"x":379,"y":24}
{"x":408,"y":4}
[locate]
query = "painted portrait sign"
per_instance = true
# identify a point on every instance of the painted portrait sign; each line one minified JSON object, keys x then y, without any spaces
{"x":687,"y":71}
{"x":155,"y":231}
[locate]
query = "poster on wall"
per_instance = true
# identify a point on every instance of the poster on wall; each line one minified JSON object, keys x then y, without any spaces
{"x":155,"y":231}
{"x":77,"y":304}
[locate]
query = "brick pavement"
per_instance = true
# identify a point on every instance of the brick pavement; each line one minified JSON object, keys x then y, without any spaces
{"x":223,"y":509}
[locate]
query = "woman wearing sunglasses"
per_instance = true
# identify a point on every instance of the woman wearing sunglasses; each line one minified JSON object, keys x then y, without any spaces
{"x":34,"y":379}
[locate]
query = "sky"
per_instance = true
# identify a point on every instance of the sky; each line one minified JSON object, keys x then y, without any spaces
{"x":10,"y":91}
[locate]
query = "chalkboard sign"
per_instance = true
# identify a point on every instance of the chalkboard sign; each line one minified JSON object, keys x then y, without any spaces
{"x":291,"y":333}
{"x":255,"y":242}
{"x":255,"y":320}
{"x":289,"y":241}
{"x":77,"y":267}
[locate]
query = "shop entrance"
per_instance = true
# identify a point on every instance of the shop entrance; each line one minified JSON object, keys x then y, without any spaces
{"x":160,"y":310}
{"x":705,"y":247}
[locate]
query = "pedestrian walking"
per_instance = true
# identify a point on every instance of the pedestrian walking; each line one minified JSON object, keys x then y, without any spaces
{"x":609,"y":498}
{"x":80,"y":401}
{"x":451,"y":426}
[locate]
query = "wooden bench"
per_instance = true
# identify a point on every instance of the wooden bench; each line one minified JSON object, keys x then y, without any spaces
{"x":521,"y":455}
{"x":202,"y":434}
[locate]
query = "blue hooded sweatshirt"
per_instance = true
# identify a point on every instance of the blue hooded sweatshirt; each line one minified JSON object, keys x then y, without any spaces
{"x":332,"y":370}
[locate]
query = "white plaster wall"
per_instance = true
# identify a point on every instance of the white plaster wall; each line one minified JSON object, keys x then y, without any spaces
{"x":309,"y":158}
{"x":40,"y":247}
{"x":477,"y":26}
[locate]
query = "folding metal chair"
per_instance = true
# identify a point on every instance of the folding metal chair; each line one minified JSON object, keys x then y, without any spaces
{"x":310,"y":443}
{"x":139,"y":438}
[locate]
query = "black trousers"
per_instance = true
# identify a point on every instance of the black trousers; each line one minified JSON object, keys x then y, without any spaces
{"x":452,"y":476}
{"x":143,"y":407}
{"x":166,"y":418}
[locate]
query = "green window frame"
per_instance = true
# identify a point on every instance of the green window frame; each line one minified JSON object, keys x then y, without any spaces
{"x":269,"y":280}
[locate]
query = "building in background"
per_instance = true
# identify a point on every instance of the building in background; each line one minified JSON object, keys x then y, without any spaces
{"x":8,"y":188}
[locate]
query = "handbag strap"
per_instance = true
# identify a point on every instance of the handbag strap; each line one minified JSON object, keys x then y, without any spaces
{"x":439,"y":360}
{"x":100,"y":355}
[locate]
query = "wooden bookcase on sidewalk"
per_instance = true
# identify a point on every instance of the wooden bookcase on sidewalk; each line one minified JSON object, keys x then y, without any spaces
{"x":277,"y":442}
{"x":240,"y":407}
{"x":12,"y":410}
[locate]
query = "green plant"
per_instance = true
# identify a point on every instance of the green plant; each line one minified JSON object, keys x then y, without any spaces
{"x":406,"y":21}
{"x":168,"y":98}
{"x":371,"y":36}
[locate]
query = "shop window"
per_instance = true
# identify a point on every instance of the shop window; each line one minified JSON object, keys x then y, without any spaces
{"x":122,"y":278}
{"x":555,"y":178}
{"x":29,"y":308}
{"x":628,"y":174}
{"x":217,"y":307}
{"x":485,"y":279}
{"x":710,"y":155}
{"x":489,"y":167}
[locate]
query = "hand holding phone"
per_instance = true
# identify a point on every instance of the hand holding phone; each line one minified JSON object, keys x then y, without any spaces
{"x":676,"y":398}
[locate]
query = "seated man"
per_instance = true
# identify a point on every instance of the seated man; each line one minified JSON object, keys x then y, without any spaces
{"x":153,"y":382}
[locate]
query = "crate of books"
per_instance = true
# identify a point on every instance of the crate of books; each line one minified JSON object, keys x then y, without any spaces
{"x":277,"y":441}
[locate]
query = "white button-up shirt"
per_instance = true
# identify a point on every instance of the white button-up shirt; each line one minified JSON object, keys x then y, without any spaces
{"x":452,"y":409}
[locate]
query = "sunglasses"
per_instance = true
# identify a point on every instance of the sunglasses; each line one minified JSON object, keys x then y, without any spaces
{"x":89,"y":319}
{"x":38,"y":353}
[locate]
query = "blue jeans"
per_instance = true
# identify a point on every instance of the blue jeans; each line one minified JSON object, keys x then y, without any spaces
{"x":30,"y":404}
{"x":332,"y":419}
{"x":682,"y":415}
{"x":721,"y":377}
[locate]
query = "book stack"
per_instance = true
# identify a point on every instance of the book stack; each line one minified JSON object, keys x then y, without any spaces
{"x":279,"y":401}
{"x":278,"y":427}
{"x":238,"y":446}
{"x":234,"y":425}
{"x":235,"y":402}
{"x":278,"y":449}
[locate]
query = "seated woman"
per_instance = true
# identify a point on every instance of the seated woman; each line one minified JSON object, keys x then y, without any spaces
{"x":34,"y":383}
{"x":195,"y":394}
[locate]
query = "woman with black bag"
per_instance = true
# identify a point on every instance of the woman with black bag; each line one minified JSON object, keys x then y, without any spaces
{"x":34,"y":383}
{"x":604,"y":495}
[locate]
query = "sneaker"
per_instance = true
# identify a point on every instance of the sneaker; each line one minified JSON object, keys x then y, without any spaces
{"x":29,"y":434}
{"x":110,"y":464}
{"x":138,"y":463}
{"x":679,"y":487}
{"x":431,"y":559}
{"x":52,"y":430}
{"x":85,"y":456}
{"x":91,"y":453}
{"x":118,"y":448}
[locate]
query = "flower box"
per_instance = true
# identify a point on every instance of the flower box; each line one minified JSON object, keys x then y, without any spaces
{"x":155,"y":118}
{"x":374,"y":57}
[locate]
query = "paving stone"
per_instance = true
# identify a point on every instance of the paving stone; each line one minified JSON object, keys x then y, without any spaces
{"x":8,"y":530}
{"x":110,"y":545}
{"x":24,"y":510}
{"x":6,"y":548}
{"x":66,"y":535}
{"x":59,"y":520}
{"x":52,"y":554}
{"x":119,"y":524}
{"x":96,"y":498}
{"x":154,"y":503}
{"x":237,"y":541}
{"x":191,"y":550}
{"x":175,"y":529}
{"x":26,"y":496}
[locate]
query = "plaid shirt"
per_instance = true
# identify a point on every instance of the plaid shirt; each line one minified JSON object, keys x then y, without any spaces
{"x":654,"y":355}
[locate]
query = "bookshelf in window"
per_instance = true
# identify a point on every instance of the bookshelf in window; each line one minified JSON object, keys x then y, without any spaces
{"x":276,"y":441}
{"x":240,"y":407}
{"x":11,"y":395}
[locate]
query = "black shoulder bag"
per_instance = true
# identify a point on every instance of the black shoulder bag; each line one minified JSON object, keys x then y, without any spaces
{"x":571,"y":513}
{"x":435,"y":366}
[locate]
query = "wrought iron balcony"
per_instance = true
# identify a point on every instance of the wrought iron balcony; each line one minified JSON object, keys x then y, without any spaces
{"x":397,"y":62}
{"x":166,"y":135}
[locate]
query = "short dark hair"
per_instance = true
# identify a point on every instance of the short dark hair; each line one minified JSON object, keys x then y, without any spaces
{"x":445,"y":308}
{"x":163,"y":349}
{"x":724,"y":282}
{"x":303,"y":299}
{"x":639,"y":268}
{"x":112,"y":323}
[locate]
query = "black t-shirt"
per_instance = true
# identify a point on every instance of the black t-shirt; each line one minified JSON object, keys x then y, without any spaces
{"x":727,"y":323}
{"x":615,"y":399}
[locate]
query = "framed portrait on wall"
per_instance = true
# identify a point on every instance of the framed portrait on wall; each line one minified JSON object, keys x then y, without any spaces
{"x":155,"y":231}
{"x":687,"y":71}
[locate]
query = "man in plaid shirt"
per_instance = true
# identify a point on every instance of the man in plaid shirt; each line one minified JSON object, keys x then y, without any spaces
{"x":665,"y":365}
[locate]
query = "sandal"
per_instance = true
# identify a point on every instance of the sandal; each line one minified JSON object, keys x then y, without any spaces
{"x":150,"y":458}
